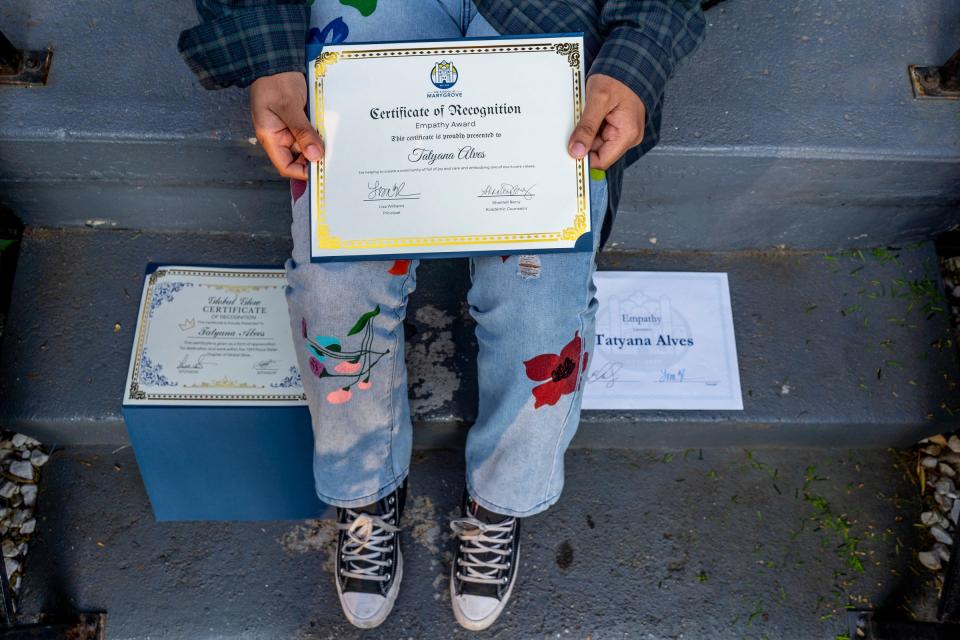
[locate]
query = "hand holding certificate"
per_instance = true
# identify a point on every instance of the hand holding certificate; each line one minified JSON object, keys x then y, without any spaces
{"x":447,"y":148}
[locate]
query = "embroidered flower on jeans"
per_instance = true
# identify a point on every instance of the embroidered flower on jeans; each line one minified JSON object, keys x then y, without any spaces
{"x":399,"y":268}
{"x":297,"y":188}
{"x":339,"y":396}
{"x":316,"y":367}
{"x":353,"y":365}
{"x":335,"y":31}
{"x":347,"y":367}
{"x":561,"y":372}
{"x":365,"y":7}
{"x":321,"y":346}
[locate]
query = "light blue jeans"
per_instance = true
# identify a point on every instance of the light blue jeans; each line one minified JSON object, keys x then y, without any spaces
{"x":535,"y":330}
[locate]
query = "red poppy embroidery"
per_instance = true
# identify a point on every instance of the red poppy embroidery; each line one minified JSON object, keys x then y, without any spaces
{"x":503,"y":258}
{"x":399,"y":268}
{"x":560,"y":372}
{"x":297,"y":188}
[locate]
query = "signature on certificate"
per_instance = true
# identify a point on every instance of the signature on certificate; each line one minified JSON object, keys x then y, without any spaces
{"x":185,"y":365}
{"x":395,"y":191}
{"x":680,"y":375}
{"x":265,"y":365}
{"x":507,"y":189}
{"x":606,"y":374}
{"x":666,"y":375}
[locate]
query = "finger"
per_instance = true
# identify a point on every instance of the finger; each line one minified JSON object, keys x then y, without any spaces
{"x":296,"y":171}
{"x":306,"y":136}
{"x":608,"y":153}
{"x":283,"y":160}
{"x":596,"y":109}
{"x":630,"y":133}
{"x":299,"y":169}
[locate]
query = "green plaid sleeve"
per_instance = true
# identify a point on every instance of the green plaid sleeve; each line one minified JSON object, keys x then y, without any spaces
{"x":241,"y":40}
{"x":638,"y":42}
{"x":644,"y":42}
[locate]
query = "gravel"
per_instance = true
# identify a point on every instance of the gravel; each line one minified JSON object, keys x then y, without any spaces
{"x":21,"y":458}
{"x":938,"y":463}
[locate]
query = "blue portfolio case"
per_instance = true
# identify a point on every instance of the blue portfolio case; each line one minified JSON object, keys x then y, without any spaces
{"x":212,"y":444}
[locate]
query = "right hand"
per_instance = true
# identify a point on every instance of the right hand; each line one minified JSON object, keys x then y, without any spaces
{"x":277,"y":105}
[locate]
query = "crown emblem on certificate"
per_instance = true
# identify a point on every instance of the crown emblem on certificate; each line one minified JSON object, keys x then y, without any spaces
{"x":444,"y":75}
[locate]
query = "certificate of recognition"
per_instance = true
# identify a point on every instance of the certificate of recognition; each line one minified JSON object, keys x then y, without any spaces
{"x":213,"y":336}
{"x":664,"y":340}
{"x":454,"y":147}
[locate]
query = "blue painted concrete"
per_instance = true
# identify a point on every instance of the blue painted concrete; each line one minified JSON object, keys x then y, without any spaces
{"x":794,"y":124}
{"x":832,"y":349}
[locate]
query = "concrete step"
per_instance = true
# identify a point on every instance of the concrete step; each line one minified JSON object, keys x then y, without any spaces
{"x":793,"y":125}
{"x":846,"y":349}
{"x":643,"y":544}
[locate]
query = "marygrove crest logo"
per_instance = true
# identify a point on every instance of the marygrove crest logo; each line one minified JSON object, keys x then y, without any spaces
{"x":443,"y":75}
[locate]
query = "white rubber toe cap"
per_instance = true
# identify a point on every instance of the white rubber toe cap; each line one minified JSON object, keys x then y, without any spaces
{"x":364,"y":609}
{"x":369,"y":610}
{"x":476,"y":612}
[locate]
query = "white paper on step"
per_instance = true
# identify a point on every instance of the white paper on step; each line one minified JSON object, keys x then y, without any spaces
{"x":664,"y":340}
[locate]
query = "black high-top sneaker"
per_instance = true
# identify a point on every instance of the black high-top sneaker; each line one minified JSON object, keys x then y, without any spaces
{"x":369,"y":562}
{"x":484,"y":565}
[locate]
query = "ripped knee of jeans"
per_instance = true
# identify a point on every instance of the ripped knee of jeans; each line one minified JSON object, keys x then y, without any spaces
{"x":528,"y":267}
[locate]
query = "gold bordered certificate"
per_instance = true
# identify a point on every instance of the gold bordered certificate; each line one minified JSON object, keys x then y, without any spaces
{"x":449,"y":147}
{"x":213,"y":336}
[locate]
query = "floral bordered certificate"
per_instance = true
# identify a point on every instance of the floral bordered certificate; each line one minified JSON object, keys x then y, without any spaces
{"x":213,"y":336}
{"x":455,"y":147}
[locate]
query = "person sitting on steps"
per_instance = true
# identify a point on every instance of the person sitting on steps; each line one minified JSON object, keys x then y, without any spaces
{"x":534,"y":333}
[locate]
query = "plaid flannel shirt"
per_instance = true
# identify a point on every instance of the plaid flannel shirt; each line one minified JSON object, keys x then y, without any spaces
{"x":638,"y":42}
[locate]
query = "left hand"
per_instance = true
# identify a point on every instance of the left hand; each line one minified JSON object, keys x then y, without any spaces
{"x":276,"y":104}
{"x":612,"y":122}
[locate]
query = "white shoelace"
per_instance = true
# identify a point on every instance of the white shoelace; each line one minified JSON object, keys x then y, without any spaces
{"x":478,"y":538}
{"x":370,"y":534}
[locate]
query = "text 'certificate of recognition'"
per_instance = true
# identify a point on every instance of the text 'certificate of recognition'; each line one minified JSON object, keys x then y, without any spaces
{"x":448,"y":147}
